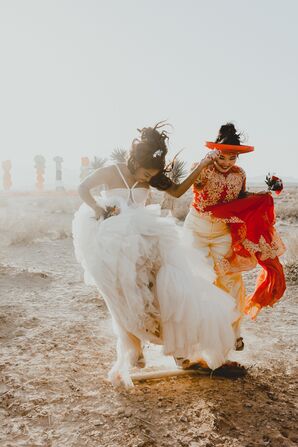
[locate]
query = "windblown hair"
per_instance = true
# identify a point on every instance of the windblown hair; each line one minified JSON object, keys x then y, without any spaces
{"x":228,"y":135}
{"x":149,"y":151}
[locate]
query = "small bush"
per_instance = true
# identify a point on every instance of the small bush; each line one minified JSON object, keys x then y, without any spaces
{"x":290,"y":257}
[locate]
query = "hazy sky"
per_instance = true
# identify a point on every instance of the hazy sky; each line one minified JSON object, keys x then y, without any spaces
{"x":79,"y":76}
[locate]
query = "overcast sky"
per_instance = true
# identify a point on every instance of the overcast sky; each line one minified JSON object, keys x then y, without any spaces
{"x":79,"y":76}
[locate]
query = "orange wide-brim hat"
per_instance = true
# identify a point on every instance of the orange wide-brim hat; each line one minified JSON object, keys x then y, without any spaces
{"x":240,"y":149}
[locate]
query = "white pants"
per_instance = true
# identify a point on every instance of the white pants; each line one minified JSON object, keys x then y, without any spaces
{"x":213,"y":239}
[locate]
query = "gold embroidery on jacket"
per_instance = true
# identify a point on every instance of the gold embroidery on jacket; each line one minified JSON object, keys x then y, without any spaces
{"x":212,"y":187}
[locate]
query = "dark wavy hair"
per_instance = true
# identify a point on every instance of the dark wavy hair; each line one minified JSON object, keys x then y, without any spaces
{"x":149,"y":151}
{"x":228,"y":135}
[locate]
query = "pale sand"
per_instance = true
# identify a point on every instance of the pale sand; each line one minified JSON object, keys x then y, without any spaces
{"x":57,"y":346}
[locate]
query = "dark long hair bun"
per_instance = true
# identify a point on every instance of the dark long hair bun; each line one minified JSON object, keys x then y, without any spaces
{"x":149,"y":151}
{"x":228,"y":135}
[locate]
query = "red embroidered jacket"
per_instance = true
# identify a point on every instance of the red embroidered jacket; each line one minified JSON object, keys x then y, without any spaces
{"x":213,"y":187}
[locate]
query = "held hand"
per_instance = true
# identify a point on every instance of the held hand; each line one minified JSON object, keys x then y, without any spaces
{"x":263,"y":192}
{"x":210,"y":158}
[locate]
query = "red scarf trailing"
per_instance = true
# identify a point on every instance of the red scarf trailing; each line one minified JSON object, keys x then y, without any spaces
{"x":254,"y":235}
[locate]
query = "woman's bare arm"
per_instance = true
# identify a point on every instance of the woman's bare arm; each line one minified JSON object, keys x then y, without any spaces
{"x":99,"y":177}
{"x":178,"y":189}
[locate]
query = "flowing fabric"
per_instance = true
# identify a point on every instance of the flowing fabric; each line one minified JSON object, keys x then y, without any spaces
{"x":254,"y":238}
{"x":212,"y":238}
{"x":147,"y":277}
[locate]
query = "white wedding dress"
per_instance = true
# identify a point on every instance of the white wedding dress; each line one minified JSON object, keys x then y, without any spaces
{"x":155,"y":287}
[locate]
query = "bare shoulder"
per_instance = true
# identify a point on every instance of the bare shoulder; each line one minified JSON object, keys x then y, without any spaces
{"x":104,"y":173}
{"x":99,"y":177}
{"x":104,"y":170}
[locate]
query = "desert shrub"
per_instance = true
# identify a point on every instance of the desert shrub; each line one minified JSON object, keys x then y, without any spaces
{"x":290,"y":257}
{"x":286,"y":205}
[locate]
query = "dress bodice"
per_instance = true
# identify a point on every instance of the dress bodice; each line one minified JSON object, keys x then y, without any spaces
{"x":134,"y":196}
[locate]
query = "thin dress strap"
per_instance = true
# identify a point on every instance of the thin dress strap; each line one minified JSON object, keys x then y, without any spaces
{"x":131,"y":198}
{"x":122,"y":176}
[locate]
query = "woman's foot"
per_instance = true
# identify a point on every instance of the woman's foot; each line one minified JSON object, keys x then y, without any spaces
{"x":239,"y":345}
{"x":138,"y":360}
{"x":182,"y":362}
{"x":230,"y":369}
{"x":141,"y":362}
{"x":199,"y":364}
{"x":231,"y":364}
{"x":120,"y":378}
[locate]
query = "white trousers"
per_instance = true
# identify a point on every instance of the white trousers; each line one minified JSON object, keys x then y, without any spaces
{"x":213,"y":239}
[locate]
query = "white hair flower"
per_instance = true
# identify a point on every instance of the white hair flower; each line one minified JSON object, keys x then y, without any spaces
{"x":157,"y":153}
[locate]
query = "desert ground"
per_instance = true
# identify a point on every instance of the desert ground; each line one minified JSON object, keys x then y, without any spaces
{"x":57,"y":346}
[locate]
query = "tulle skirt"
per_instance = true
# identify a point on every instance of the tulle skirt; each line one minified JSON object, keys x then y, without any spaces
{"x":155,"y":286}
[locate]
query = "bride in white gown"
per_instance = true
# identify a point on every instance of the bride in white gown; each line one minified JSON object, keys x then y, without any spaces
{"x":153,"y":287}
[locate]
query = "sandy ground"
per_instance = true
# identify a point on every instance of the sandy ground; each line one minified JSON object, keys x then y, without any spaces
{"x":57,"y":346}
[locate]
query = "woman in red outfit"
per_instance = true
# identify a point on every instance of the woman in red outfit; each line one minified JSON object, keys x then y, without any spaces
{"x":235,"y":229}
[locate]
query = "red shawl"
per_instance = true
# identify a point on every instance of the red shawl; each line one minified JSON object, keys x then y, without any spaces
{"x":251,"y":222}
